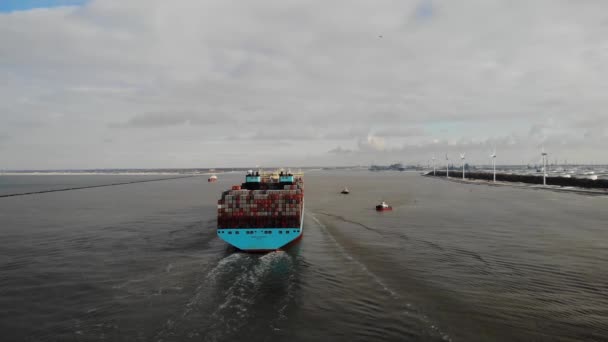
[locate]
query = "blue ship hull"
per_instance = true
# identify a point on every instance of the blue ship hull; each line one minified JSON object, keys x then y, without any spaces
{"x":261,"y":239}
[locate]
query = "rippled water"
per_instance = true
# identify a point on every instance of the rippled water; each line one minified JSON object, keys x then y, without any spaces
{"x":452,"y":262}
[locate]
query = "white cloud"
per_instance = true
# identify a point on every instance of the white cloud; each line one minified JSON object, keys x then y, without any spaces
{"x":182,"y":79}
{"x":372,"y":143}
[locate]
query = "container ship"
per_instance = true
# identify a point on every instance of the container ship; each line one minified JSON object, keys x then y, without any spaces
{"x":265,"y":213}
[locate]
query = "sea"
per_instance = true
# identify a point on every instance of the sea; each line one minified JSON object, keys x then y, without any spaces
{"x":141,"y":261}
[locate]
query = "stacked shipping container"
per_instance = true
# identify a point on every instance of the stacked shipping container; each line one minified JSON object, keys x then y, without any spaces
{"x":261,"y":208}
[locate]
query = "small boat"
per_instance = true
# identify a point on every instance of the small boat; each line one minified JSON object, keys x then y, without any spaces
{"x":211,"y":179}
{"x":383,"y":207}
{"x":345,"y":191}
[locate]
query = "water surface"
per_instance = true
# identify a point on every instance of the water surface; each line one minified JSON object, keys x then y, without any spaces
{"x":141,"y":262}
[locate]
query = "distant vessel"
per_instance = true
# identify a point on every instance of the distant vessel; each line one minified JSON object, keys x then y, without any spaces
{"x":263,"y":214}
{"x":383,"y":207}
{"x":211,"y":179}
{"x":593,"y":177}
{"x":345,"y":191}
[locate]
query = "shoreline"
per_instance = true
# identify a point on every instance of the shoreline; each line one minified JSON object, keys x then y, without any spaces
{"x":520,"y":185}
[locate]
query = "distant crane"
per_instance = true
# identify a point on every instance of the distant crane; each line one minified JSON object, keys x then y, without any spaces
{"x":433,"y":165}
{"x":447,"y":166}
{"x":493,"y":156}
{"x":544,"y":157}
{"x":462,"y":158}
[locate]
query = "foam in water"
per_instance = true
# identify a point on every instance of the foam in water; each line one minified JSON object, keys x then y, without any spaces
{"x":222,"y":266}
{"x":233,"y":311}
{"x":238,"y":298}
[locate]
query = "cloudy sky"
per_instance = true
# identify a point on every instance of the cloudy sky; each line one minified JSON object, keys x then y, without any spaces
{"x":194,"y":83}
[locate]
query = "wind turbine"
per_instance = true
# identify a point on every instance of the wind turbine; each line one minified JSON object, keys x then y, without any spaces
{"x":433,"y":165}
{"x":447,"y":166}
{"x":462,"y":158}
{"x":493,"y":156}
{"x":544,"y":156}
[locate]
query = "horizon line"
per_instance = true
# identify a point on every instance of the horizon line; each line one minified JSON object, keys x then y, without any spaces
{"x":250,"y":167}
